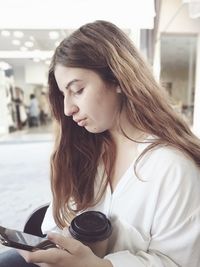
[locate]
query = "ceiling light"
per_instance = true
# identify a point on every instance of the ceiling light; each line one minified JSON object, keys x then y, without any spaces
{"x":23,"y":48}
{"x":53,"y":35}
{"x":36,"y":59}
{"x":37,"y":51}
{"x":5,"y":33}
{"x":16,"y":42}
{"x":4,"y":65}
{"x":31,"y":38}
{"x":57,"y":43}
{"x":28,"y":44}
{"x":18,"y":34}
{"x":47,"y":62}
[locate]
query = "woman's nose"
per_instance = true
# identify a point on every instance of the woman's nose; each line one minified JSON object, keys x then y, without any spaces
{"x":69,"y":108}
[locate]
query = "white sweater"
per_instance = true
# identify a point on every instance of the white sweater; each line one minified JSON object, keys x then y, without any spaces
{"x":156,"y":217}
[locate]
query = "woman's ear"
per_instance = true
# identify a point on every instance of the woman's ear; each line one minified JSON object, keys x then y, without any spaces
{"x":118,"y":89}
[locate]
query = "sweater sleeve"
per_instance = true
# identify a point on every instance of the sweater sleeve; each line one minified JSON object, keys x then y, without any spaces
{"x":175,"y":231}
{"x":179,"y":247}
{"x":48,"y":223}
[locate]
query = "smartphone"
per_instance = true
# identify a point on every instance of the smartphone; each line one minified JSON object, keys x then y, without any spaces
{"x":21,"y":240}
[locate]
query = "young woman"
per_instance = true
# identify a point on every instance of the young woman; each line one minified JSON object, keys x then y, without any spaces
{"x":120,"y":149}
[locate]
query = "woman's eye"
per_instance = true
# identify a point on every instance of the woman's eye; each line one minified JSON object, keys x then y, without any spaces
{"x":79,"y":91}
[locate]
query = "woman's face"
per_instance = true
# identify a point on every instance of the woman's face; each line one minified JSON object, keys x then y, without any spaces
{"x":90,"y":102}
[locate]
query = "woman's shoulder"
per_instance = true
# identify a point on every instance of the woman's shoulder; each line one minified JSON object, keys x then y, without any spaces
{"x":165,"y":153}
{"x":167,"y":160}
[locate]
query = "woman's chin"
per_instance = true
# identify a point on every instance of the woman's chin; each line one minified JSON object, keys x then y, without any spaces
{"x":94,"y":130}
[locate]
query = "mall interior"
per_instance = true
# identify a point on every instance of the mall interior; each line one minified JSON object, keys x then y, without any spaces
{"x":167,"y":32}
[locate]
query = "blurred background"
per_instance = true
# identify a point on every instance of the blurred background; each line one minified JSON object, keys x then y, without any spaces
{"x":167,"y":32}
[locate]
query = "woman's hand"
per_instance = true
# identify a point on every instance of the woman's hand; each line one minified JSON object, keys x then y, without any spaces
{"x":71,"y":253}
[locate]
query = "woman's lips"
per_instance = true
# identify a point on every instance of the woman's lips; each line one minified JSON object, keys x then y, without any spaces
{"x":82,"y":122}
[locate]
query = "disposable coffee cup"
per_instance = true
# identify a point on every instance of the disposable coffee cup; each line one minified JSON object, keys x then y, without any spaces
{"x":93,"y":229}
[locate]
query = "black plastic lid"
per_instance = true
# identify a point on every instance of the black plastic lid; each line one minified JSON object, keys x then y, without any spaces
{"x":90,"y":226}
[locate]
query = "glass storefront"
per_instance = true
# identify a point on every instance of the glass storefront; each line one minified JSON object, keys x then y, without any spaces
{"x":178,"y":67}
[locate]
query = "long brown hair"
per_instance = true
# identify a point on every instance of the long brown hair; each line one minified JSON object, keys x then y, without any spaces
{"x":105,"y":49}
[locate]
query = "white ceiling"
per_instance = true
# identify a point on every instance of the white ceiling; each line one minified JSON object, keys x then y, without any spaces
{"x":65,"y":14}
{"x":40,"y":14}
{"x":40,"y":39}
{"x":43,"y":46}
{"x":176,"y":47}
{"x":36,"y":18}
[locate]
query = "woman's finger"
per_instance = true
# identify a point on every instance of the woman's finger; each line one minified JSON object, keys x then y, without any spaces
{"x":49,"y":256}
{"x":71,"y":245}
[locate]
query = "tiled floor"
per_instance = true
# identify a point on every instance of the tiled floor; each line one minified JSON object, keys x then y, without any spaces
{"x":24,"y":174}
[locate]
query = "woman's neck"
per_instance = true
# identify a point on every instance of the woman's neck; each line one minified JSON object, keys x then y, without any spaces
{"x":125,"y":133}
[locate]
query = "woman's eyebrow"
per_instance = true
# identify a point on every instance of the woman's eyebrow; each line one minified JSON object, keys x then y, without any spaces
{"x":72,"y":82}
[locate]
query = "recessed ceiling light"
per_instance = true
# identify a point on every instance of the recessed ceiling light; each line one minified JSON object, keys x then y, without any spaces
{"x":28,"y":44}
{"x":18,"y":34}
{"x":47,"y":62}
{"x":57,"y":43}
{"x":31,"y":38}
{"x":36,"y":51}
{"x":23,"y":48}
{"x":5,"y":33}
{"x":16,"y":42}
{"x":53,"y":35}
{"x":5,"y":65}
{"x":36,"y":59}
